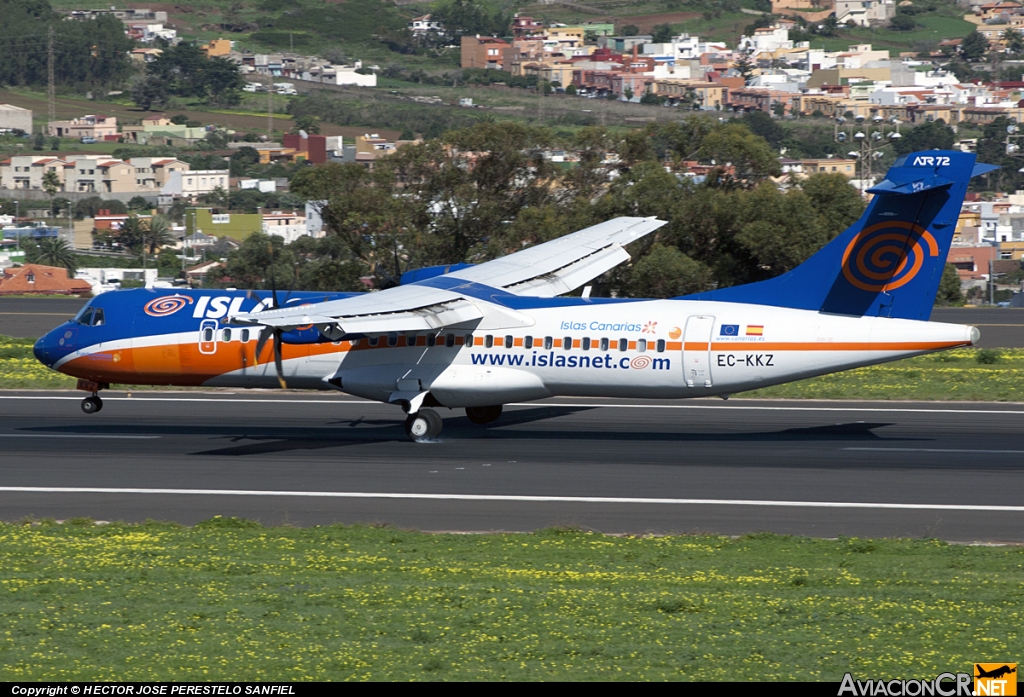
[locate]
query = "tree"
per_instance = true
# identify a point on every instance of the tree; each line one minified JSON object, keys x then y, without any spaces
{"x":55,"y":143}
{"x":628,"y":93}
{"x":630,"y":30}
{"x":39,"y":142}
{"x":137,"y":203}
{"x":930,"y":135}
{"x":132,"y":233}
{"x":744,"y":65}
{"x":662,"y":33}
{"x":150,"y":93}
{"x":949,"y":288}
{"x":570,"y":89}
{"x":308,"y":123}
{"x":902,"y":22}
{"x":665,"y":272}
{"x":51,"y":185}
{"x":974,"y":46}
{"x":53,"y":251}
{"x":761,"y":124}
{"x":1013,"y":40}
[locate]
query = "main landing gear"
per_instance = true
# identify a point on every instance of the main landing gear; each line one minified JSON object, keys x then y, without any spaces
{"x":483,"y":415}
{"x":91,"y":405}
{"x":424,"y":425}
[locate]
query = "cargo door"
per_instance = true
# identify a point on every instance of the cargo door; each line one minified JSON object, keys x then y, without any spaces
{"x":697,"y":351}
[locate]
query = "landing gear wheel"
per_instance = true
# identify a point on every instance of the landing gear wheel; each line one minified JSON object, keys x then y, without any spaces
{"x":483,"y":415}
{"x":423,"y":425}
{"x":91,"y":405}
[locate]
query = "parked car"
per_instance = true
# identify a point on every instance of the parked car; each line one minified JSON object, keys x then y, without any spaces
{"x":87,"y":140}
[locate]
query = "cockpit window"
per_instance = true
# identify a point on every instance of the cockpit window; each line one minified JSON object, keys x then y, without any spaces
{"x":90,"y":316}
{"x":84,"y":315}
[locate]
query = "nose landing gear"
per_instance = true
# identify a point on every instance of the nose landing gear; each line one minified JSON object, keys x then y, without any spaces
{"x":424,"y":425}
{"x":92,"y":404}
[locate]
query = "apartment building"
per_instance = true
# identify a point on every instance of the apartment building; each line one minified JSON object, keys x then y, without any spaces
{"x":90,"y":126}
{"x":483,"y":52}
{"x":26,"y":172}
{"x":192,"y":183}
{"x":100,"y":175}
{"x":290,"y":225}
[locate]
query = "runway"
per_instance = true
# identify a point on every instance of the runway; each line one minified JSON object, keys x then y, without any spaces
{"x":948,"y":470}
{"x":30,"y":318}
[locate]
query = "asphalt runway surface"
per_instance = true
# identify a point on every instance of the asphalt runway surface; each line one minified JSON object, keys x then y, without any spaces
{"x":33,"y":317}
{"x":954,"y":471}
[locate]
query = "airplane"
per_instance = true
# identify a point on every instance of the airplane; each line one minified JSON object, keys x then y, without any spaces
{"x":478,"y":337}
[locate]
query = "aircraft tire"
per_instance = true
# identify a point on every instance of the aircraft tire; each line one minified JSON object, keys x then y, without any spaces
{"x":91,"y":405}
{"x":483,"y":415}
{"x":423,"y":425}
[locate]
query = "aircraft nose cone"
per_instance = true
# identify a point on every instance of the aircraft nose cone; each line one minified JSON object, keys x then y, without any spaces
{"x":42,"y":350}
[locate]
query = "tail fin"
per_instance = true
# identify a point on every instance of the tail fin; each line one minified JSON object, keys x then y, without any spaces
{"x":889,"y":263}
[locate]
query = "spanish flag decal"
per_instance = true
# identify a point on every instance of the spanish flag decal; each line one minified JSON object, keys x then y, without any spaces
{"x":755,"y":329}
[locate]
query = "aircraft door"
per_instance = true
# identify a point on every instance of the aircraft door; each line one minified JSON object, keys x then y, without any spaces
{"x":208,"y":336}
{"x":697,"y":350}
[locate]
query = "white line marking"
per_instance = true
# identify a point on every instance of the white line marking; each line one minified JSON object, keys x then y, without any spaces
{"x":909,"y":410}
{"x":937,"y":450}
{"x":76,"y":436}
{"x":531,"y":499}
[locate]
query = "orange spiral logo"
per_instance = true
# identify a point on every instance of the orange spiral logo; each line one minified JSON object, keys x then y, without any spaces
{"x":640,"y":362}
{"x":887,"y":255}
{"x":167,"y":305}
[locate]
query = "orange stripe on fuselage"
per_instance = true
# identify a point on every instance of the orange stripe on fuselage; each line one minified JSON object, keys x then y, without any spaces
{"x":824,"y":345}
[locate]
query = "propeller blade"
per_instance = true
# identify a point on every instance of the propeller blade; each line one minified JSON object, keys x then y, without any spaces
{"x":273,"y":283}
{"x":265,"y":334}
{"x":277,"y":360}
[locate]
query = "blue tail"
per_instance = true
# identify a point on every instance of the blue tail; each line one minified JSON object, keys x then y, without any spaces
{"x":887,"y":264}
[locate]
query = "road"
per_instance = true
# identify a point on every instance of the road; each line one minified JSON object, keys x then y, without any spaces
{"x":953,"y":471}
{"x":33,"y":317}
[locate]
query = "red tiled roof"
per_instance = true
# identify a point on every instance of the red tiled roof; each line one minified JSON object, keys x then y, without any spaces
{"x":36,"y":278}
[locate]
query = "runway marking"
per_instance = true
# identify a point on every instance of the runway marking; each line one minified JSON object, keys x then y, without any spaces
{"x":937,"y":450}
{"x":751,"y":407}
{"x":493,"y":497}
{"x":58,"y":435}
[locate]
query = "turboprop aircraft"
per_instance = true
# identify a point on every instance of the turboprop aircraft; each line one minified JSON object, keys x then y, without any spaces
{"x":478,"y":337}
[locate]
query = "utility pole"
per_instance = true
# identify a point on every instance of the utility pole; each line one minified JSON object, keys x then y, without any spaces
{"x":50,"y":89}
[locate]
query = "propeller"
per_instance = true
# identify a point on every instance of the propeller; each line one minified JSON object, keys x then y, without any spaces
{"x":274,"y":332}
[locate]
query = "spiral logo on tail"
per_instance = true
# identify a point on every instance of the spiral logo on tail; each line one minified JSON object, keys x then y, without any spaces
{"x":167,"y":305}
{"x":887,"y":256}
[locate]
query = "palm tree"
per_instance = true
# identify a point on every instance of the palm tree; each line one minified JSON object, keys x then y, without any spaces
{"x":132,"y":233}
{"x":53,"y":251}
{"x":158,"y":234}
{"x":51,"y":185}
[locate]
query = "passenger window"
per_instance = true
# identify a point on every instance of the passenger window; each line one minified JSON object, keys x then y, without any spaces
{"x":374,"y":340}
{"x":489,"y":341}
{"x":604,"y":344}
{"x":548,"y":342}
{"x":586,"y":343}
{"x":245,"y":336}
{"x":641,"y":345}
{"x":410,"y":339}
{"x":225,"y":335}
{"x":623,"y":344}
{"x":392,"y":339}
{"x":528,"y":342}
{"x":449,"y":340}
{"x":469,"y":340}
{"x":567,"y":342}
{"x":661,"y":346}
{"x":431,"y":339}
{"x":208,"y":334}
{"x":508,"y":341}
{"x":97,"y":317}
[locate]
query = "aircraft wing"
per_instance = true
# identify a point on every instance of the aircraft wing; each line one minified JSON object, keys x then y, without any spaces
{"x":546,"y":270}
{"x":563,"y":264}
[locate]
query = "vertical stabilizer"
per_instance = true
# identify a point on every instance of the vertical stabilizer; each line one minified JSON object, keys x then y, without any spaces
{"x":889,"y":263}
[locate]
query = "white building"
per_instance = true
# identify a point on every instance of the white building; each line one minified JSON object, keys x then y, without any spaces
{"x":264,"y":186}
{"x":15,"y":118}
{"x":103,"y":279}
{"x":196,"y":182}
{"x":290,"y":226}
{"x":766,"y":40}
{"x":865,"y":13}
{"x":425,"y":25}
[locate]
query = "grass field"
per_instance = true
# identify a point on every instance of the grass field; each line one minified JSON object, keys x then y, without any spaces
{"x":953,"y":375}
{"x":229,"y":600}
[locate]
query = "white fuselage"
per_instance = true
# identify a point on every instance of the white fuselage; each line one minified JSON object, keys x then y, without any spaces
{"x":647,"y":348}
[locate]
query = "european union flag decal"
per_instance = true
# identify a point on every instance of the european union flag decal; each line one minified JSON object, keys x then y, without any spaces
{"x":729,"y":330}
